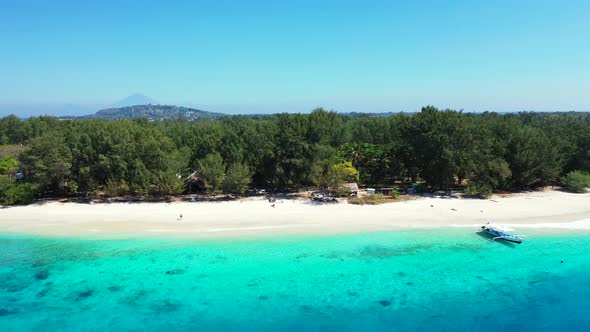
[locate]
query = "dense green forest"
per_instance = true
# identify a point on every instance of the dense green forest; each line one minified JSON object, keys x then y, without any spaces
{"x":48,"y":157}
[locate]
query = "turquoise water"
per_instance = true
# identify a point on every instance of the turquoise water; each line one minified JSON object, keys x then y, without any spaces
{"x":436,"y":280}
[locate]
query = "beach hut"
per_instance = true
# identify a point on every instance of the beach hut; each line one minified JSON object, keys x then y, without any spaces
{"x":353,"y":187}
{"x":386,"y":191}
{"x":194,"y":183}
{"x":370,"y":191}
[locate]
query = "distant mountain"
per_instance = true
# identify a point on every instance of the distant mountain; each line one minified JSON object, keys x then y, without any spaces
{"x":135,"y":99}
{"x":154,"y":112}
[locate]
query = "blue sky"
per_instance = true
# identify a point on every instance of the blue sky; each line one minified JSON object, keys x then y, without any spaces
{"x":263,"y":56}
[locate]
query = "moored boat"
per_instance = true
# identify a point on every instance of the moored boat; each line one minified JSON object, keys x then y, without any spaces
{"x":501,"y":233}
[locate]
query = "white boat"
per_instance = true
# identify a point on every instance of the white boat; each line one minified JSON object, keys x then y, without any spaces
{"x":501,"y":233}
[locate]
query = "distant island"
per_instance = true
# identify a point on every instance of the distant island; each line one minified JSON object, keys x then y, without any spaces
{"x":151,"y":112}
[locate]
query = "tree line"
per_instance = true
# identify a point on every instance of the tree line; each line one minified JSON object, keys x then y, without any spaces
{"x":46,"y":156}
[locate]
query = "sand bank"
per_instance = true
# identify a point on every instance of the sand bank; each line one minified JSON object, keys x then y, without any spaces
{"x":551,"y":210}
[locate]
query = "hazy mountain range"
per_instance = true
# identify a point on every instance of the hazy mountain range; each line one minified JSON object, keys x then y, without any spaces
{"x":25,"y":110}
{"x":135,"y":99}
{"x":139,"y":105}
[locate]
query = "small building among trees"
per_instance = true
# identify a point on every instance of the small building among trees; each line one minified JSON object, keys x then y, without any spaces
{"x":386,"y":191}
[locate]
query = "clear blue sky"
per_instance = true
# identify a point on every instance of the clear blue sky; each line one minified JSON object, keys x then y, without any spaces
{"x":296,"y":55}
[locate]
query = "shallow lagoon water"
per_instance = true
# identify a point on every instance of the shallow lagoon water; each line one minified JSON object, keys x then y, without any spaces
{"x":422,"y":280}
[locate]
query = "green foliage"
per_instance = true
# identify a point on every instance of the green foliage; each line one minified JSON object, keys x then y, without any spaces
{"x":576,"y":181}
{"x":376,"y":164}
{"x":478,"y":190}
{"x":294,"y":151}
{"x":489,"y":175}
{"x":50,"y":162}
{"x":168,"y":183}
{"x":15,"y":193}
{"x":345,"y":172}
{"x":533,"y":159}
{"x":115,"y":188}
{"x":10,"y":150}
{"x":237,"y":178}
{"x":14,"y":130}
{"x":8,"y":165}
{"x":442,"y":149}
{"x":211,"y":171}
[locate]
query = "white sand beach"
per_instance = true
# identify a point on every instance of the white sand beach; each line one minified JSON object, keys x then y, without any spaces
{"x":550,"y":210}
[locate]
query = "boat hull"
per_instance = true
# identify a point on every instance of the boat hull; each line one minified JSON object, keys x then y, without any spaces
{"x":497,"y":235}
{"x":511,"y":240}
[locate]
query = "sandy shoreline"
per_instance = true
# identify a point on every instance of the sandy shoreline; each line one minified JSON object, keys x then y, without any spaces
{"x":549,"y":210}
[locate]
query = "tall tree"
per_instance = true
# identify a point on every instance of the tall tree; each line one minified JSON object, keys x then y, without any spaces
{"x":212,"y":170}
{"x":236,"y":179}
{"x":49,"y":161}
